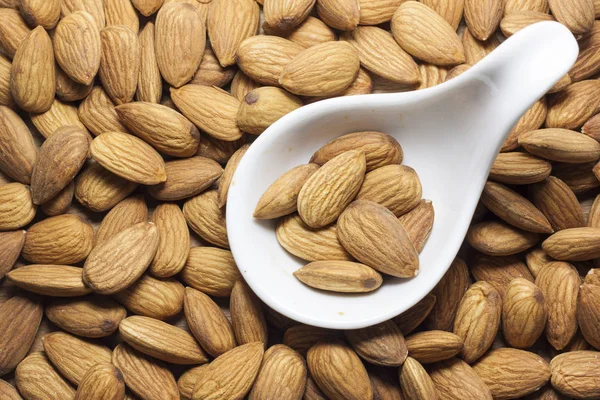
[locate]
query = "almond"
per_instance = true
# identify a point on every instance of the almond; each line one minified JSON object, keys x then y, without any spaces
{"x":6,"y":98}
{"x":121,"y":13}
{"x":210,"y":270}
{"x":455,"y":379}
{"x":34,"y":62}
{"x":310,"y":32}
{"x":73,"y":356}
{"x":532,"y":119}
{"x":496,"y":238}
{"x":312,"y":391}
{"x":39,"y":12}
{"x":483,"y":17}
{"x":231,"y":375}
{"x":120,"y":60}
{"x":208,"y":323}
{"x":64,"y":239}
{"x":512,"y":7}
{"x":225,"y":37}
{"x":339,"y":14}
{"x":431,"y":75}
{"x":593,"y":277}
{"x":263,"y":106}
{"x":161,"y":340}
{"x":425,"y":35}
{"x":20,"y":317}
{"x":281,"y":197}
{"x":60,"y":158}
{"x":476,"y":50}
{"x":339,"y":276}
{"x":211,"y":109}
{"x":127,"y":213}
{"x":512,"y":373}
{"x":410,"y":319}
{"x":99,"y":189}
{"x":335,"y":63}
{"x":558,"y":203}
{"x":578,"y":16}
{"x":37,"y":379}
{"x":396,"y":187}
{"x":278,"y":320}
{"x":375,"y":12}
{"x":575,"y":244}
{"x":515,"y":21}
{"x":241,"y":84}
{"x":338,"y":371}
{"x":559,"y":283}
{"x":60,"y":203}
{"x":384,"y":383}
{"x":310,"y":244}
{"x":147,"y":7}
{"x":380,"y":344}
{"x":228,"y":173}
{"x":262,"y":58}
{"x":59,"y":115}
{"x":131,"y":250}
{"x":579,"y":178}
{"x":77,"y":46}
{"x":145,"y":376}
{"x":211,"y":73}
{"x":155,"y":298}
{"x":499,"y":271}
{"x":188,"y":379}
{"x":50,"y":280}
{"x":91,"y":317}
{"x":129,"y":157}
{"x":16,"y":206}
{"x":174,"y":241}
{"x":204,"y":217}
{"x":379,"y":53}
{"x":284,"y":16}
{"x":8,"y":392}
{"x":303,"y":337}
{"x":418,"y":223}
{"x":433,"y":346}
{"x":415,"y":382}
{"x":588,"y":315}
{"x":523,"y":313}
{"x":365,"y":223}
{"x":97,"y":112}
{"x":95,"y":9}
{"x":10,"y":249}
{"x":448,"y":292}
{"x":102,"y":381}
{"x":165,"y":129}
{"x":13,"y":30}
{"x":562,"y":84}
{"x":186,"y":178}
{"x":587,"y":61}
{"x":478,"y":319}
{"x":247,"y":316}
{"x":180,"y":35}
{"x":519,"y":169}
{"x":282,"y":375}
{"x":514,"y":208}
{"x":16,"y":143}
{"x":149,"y":86}
{"x":572,"y":107}
{"x":536,"y":259}
{"x":561,"y":145}
{"x":576,"y":373}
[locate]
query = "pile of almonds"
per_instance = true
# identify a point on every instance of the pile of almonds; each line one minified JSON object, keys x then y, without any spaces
{"x":382,"y":222}
{"x":92,"y":296}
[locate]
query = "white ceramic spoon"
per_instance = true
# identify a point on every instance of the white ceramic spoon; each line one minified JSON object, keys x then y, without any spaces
{"x":450,"y":134}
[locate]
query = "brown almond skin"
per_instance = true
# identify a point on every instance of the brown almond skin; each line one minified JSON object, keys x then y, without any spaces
{"x":219,"y":150}
{"x":36,"y":378}
{"x":151,"y":297}
{"x":281,"y":197}
{"x":572,"y":107}
{"x":174,"y":241}
{"x":211,"y":73}
{"x":562,"y":145}
{"x":101,"y":382}
{"x":34,"y":62}
{"x":448,"y":292}
{"x":575,"y":244}
{"x":11,"y":244}
{"x":128,"y":212}
{"x":97,"y":112}
{"x":57,"y":116}
{"x":343,"y":15}
{"x":455,"y":379}
{"x":50,"y":280}
{"x":186,"y":178}
{"x":339,"y":276}
{"x":131,"y":249}
{"x":418,"y":223}
{"x":384,"y":383}
{"x":365,"y":223}
{"x":8,"y":392}
{"x":282,"y":375}
{"x":16,"y":206}
{"x":69,"y":90}
{"x":208,"y":323}
{"x":188,"y":379}
{"x":588,"y":314}
{"x":64,"y":239}
{"x":518,"y":168}
{"x":283,"y":17}
{"x":338,"y":371}
{"x":16,"y":143}
{"x":206,"y":218}
{"x":20,"y":317}
{"x":263,"y":106}
{"x":73,"y":356}
{"x":161,"y":340}
{"x":512,"y":373}
{"x":312,"y":391}
{"x":432,"y":346}
{"x":382,"y":344}
{"x":121,"y":13}
{"x":576,"y":373}
{"x":120,"y":62}
{"x":60,"y":203}
{"x":415,"y":382}
{"x":92,"y":316}
{"x":13,"y":30}
{"x":145,"y":376}
{"x":60,"y":158}
{"x":99,"y":189}
{"x":533,"y":119}
{"x":499,"y":271}
{"x":302,"y":337}
{"x":44,"y":13}
{"x":247,"y":317}
{"x":558,"y":203}
{"x":410,"y":319}
{"x":231,"y":375}
{"x":559,"y":282}
{"x":210,"y":270}
{"x":499,"y":239}
{"x":149,"y":87}
{"x":228,"y":173}
{"x":523,"y":313}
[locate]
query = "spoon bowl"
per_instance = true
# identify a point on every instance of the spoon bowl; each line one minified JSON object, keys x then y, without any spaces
{"x":450,"y":135}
